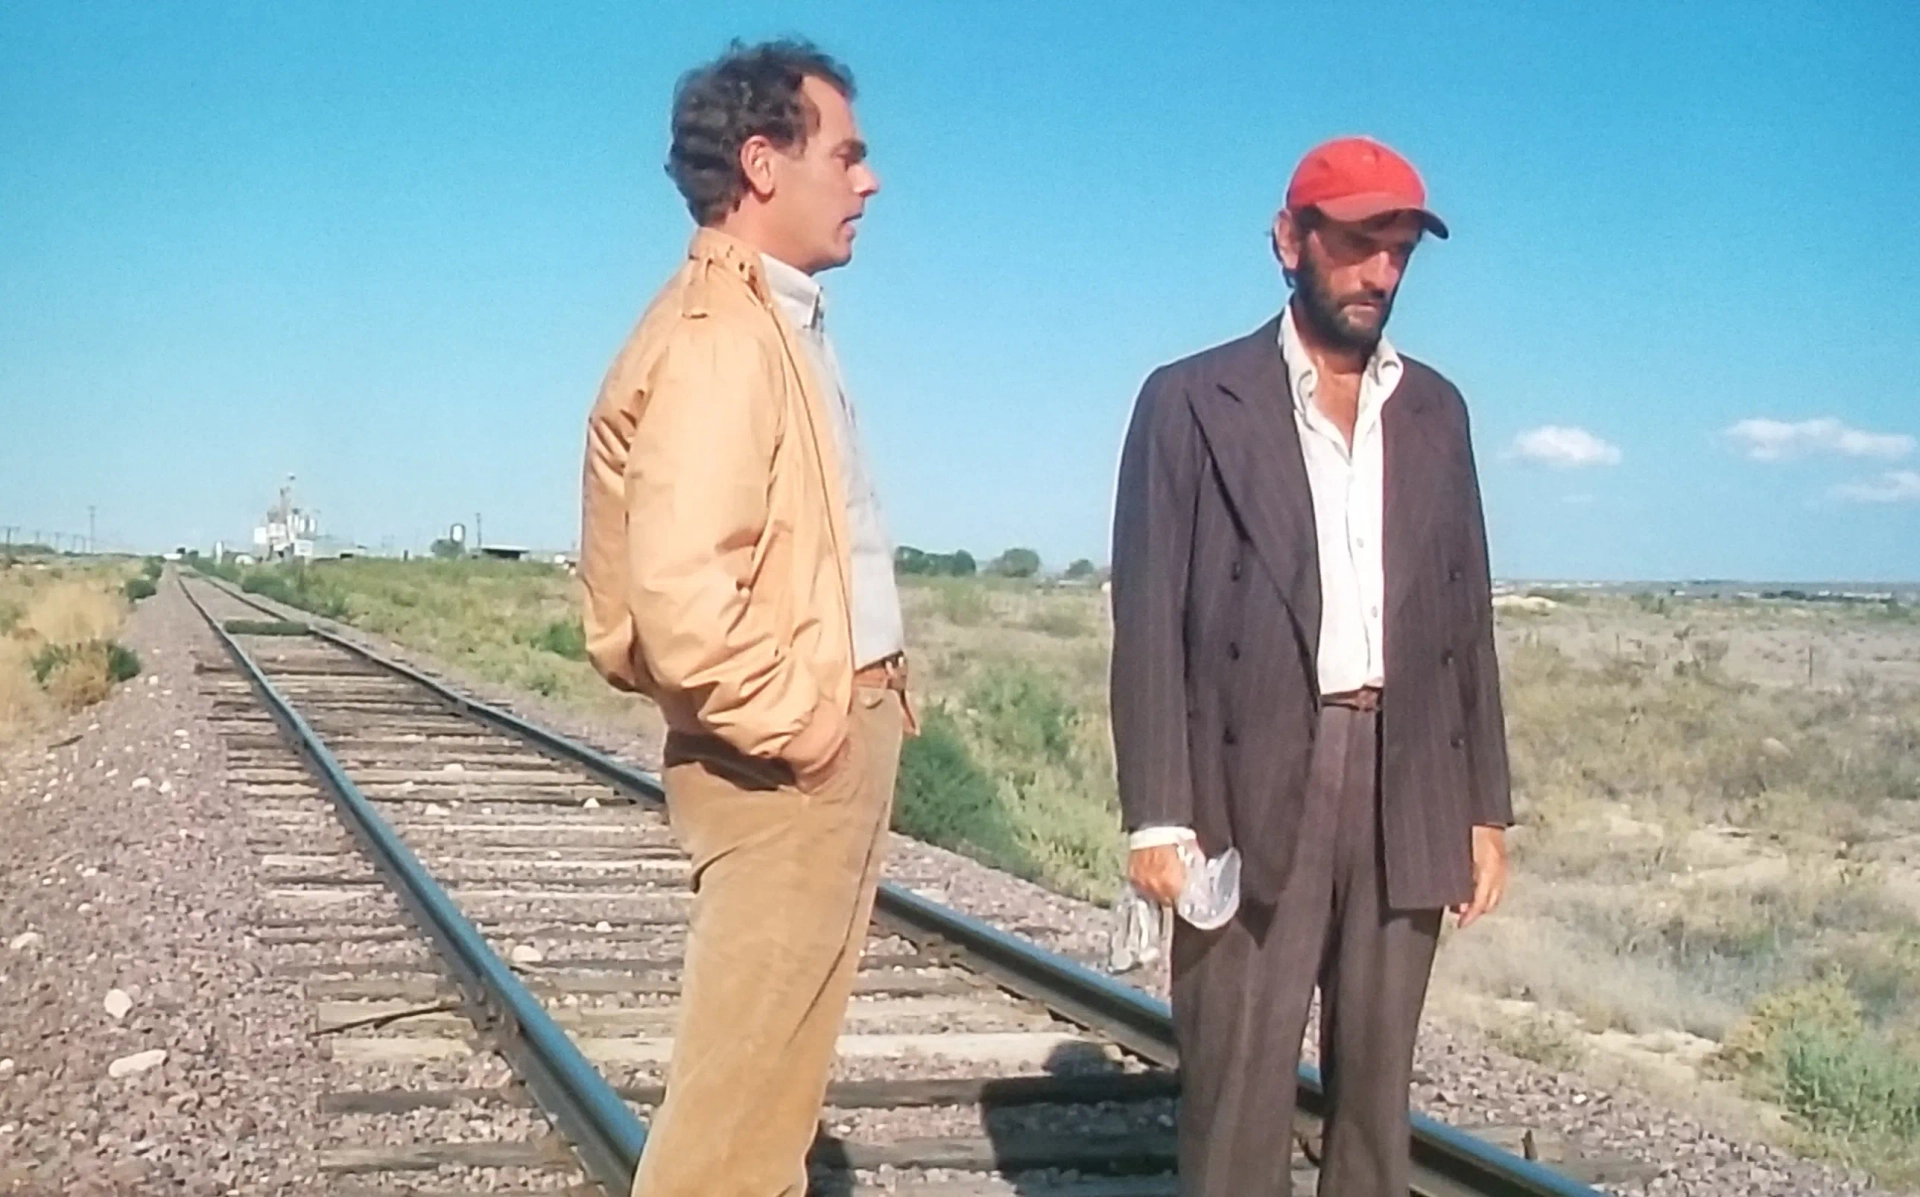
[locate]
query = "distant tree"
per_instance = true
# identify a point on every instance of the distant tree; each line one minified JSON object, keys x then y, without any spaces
{"x":912,"y":562}
{"x":447,"y":550}
{"x":1017,"y":563}
{"x":1082,"y":568}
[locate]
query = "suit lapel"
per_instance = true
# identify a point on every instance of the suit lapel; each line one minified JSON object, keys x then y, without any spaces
{"x":1250,"y":433}
{"x":1414,"y":452}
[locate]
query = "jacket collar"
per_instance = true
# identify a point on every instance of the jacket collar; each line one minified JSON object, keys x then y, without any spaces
{"x":718,"y":250}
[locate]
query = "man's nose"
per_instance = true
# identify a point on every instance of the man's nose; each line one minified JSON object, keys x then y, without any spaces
{"x":1382,"y":271}
{"x":865,"y":182}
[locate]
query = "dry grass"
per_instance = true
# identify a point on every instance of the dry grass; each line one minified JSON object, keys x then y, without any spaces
{"x":57,"y":648}
{"x":1705,"y":836}
{"x":515,"y":623}
{"x":23,"y":704}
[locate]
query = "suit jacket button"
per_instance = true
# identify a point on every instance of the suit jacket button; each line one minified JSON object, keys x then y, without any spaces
{"x":1227,"y":737}
{"x":1446,"y":656}
{"x":1233,"y":651}
{"x":1235,"y":572}
{"x":1453,"y":575}
{"x":1458,"y":741}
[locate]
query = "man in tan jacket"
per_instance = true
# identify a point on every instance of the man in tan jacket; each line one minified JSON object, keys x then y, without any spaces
{"x":737,"y":571}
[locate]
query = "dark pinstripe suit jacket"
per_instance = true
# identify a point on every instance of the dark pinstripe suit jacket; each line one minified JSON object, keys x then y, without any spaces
{"x":1216,"y":605}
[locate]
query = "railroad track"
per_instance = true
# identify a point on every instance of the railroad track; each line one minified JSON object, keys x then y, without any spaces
{"x":548,"y":905}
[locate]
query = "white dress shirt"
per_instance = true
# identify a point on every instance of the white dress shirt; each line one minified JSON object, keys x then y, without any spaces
{"x":1348,"y":484}
{"x":878,"y":629}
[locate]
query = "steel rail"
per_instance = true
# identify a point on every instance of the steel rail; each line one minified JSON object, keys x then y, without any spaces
{"x":1447,"y":1162}
{"x":605,"y":1134}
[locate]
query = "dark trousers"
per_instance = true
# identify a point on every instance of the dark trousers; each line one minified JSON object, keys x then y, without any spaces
{"x":1241,"y":996}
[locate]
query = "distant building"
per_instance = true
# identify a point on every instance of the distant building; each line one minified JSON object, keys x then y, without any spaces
{"x":287,"y":533}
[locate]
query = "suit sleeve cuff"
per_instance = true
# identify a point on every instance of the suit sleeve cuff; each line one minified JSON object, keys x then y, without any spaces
{"x":1159,"y":837}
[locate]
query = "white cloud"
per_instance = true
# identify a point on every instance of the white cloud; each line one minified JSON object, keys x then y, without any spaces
{"x":1894,"y":486}
{"x":1566,"y":448}
{"x":1762,"y":439}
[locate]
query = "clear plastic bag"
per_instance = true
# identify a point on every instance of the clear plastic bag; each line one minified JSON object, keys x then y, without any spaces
{"x":1140,"y":928}
{"x":1211,"y":896}
{"x":1208,"y":900}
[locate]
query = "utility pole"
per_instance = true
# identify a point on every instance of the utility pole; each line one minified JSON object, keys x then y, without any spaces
{"x":478,"y":539}
{"x":93,"y":546}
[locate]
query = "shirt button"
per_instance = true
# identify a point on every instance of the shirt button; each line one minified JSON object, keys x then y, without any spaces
{"x":1374,"y":611}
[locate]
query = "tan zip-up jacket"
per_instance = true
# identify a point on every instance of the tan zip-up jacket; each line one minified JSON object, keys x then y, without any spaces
{"x":713,"y":546}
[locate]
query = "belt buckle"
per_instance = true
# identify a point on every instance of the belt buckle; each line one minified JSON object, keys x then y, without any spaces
{"x":1365,"y":699}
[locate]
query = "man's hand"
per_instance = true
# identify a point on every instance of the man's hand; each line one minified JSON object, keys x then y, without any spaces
{"x":1157,"y":872}
{"x":1489,"y":874}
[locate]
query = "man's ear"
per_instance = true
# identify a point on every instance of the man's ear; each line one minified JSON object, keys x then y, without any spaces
{"x":1287,"y":237}
{"x":756,"y":166}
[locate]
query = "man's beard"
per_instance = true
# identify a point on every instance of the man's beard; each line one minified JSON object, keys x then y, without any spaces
{"x":1332,"y":323}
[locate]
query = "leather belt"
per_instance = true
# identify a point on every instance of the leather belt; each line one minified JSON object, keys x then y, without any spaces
{"x":1366,"y":698}
{"x":888,"y":673}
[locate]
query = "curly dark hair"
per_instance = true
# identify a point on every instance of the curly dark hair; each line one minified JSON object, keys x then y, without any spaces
{"x":750,"y":91}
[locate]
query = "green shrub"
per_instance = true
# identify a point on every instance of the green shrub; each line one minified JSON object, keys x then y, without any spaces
{"x":49,"y":658}
{"x":153,"y":568}
{"x":1028,"y":722}
{"x":561,"y":637}
{"x":1826,"y":1006}
{"x":1854,"y":1090}
{"x":944,"y":797}
{"x":297,"y":588}
{"x":111,"y":659}
{"x":140,"y":588}
{"x":123,"y":664}
{"x":1850,"y":1086}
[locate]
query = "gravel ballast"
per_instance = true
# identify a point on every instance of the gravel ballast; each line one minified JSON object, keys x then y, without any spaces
{"x":124,"y":870}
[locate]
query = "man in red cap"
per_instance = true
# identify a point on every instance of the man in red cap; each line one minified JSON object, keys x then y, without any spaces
{"x":1304,"y":670}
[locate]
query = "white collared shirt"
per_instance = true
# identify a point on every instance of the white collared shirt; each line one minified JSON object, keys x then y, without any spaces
{"x":878,"y":628}
{"x":1349,"y":493}
{"x":1348,"y":485}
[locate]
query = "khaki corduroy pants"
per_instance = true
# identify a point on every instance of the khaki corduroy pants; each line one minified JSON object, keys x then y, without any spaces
{"x":783,"y":882}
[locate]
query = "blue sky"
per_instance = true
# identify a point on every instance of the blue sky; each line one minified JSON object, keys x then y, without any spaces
{"x":392,"y":247}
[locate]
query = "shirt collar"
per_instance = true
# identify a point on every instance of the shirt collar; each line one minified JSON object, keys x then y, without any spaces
{"x":1383,"y":368}
{"x":795,"y":291}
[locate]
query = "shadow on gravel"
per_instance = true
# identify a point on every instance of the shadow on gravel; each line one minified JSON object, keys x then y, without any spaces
{"x":1083,"y":1115}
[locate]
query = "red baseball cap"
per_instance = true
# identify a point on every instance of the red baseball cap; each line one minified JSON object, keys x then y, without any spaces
{"x":1356,"y":178}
